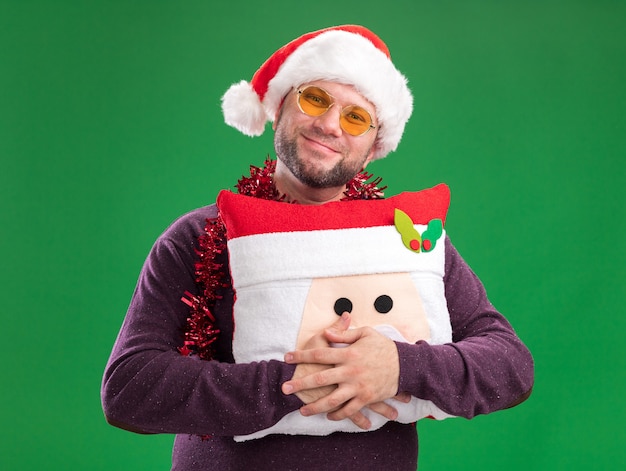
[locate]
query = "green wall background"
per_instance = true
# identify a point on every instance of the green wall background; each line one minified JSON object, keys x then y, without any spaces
{"x":110,"y":127}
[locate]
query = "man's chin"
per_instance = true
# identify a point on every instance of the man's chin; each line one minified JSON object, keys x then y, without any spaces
{"x":315,"y":182}
{"x":323,"y":180}
{"x":320,"y":173}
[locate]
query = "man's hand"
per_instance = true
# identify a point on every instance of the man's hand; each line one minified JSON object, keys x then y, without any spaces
{"x":365,"y":373}
{"x":309,"y":369}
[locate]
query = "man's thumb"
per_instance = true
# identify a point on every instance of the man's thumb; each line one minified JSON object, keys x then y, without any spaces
{"x":341,"y":325}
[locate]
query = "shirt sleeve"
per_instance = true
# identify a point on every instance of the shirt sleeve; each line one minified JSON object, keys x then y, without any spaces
{"x":485,"y":368}
{"x":149,"y":387}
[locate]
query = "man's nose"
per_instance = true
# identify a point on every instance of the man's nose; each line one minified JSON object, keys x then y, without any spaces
{"x":328,"y":123}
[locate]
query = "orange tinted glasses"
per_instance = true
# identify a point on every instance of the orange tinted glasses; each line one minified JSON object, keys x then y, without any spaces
{"x":315,"y":101}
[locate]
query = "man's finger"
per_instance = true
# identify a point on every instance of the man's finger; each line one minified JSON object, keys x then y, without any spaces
{"x":403,"y":397}
{"x":342,"y":324}
{"x":319,"y":379}
{"x":361,"y":421}
{"x":337,"y":400}
{"x":321,"y":356}
{"x":347,"y":336}
{"x":349,"y":409}
{"x":384,"y":409}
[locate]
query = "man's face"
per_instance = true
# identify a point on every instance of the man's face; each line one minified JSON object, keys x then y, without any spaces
{"x":315,"y":149}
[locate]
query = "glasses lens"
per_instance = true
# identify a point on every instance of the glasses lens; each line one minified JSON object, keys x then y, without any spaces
{"x":314,"y":101}
{"x":355,"y":120}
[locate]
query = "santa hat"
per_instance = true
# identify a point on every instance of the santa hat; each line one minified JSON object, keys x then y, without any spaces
{"x":272,"y":241}
{"x":347,"y":54}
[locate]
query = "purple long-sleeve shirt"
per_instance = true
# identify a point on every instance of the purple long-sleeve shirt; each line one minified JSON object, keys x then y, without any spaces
{"x":149,"y":387}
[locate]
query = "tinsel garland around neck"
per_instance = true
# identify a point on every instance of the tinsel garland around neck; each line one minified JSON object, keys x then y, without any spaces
{"x":211,"y":273}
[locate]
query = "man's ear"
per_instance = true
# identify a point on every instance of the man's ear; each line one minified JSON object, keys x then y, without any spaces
{"x":279,"y":112}
{"x":370,"y":156}
{"x":277,"y":117}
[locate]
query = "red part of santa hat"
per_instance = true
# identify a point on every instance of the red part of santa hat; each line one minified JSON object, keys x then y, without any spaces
{"x":270,"y":241}
{"x":247,"y":216}
{"x":349,"y":54}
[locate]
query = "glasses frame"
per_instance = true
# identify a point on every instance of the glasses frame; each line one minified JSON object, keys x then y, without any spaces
{"x":300,"y":91}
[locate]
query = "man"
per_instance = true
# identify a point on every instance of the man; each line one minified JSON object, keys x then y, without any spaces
{"x":337,"y":102}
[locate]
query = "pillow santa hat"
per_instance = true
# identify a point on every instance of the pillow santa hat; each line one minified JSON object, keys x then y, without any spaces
{"x":295,"y":268}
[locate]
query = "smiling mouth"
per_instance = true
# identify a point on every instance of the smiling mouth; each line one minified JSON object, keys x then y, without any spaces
{"x":320,"y":144}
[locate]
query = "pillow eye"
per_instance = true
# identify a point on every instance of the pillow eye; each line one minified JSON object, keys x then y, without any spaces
{"x":343,"y":305}
{"x":383,"y":304}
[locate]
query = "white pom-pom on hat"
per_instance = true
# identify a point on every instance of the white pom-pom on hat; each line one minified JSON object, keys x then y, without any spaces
{"x":243,"y":109}
{"x":349,"y":54}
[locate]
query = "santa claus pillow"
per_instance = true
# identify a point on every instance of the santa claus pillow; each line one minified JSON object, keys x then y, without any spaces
{"x":295,"y":268}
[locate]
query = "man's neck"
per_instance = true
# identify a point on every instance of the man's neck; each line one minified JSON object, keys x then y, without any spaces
{"x":287,"y":184}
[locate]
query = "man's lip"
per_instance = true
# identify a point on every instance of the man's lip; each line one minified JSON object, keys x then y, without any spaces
{"x":320,"y":143}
